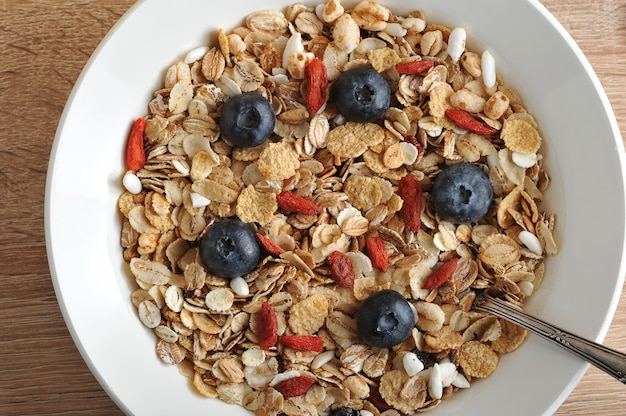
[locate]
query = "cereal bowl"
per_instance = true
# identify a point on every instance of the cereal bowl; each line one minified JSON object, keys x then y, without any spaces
{"x":582,"y":151}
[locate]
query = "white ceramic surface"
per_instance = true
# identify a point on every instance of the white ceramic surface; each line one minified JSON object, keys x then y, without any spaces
{"x":534,"y":54}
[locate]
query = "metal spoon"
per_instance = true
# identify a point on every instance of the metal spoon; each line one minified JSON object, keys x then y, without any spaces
{"x":610,"y":361}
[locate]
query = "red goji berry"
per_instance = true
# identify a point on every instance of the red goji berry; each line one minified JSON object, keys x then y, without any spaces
{"x":135,"y":155}
{"x":269,"y":246}
{"x":292,"y":202}
{"x":341,"y":269}
{"x":415,"y":67}
{"x":377,"y":400}
{"x":267,"y":327}
{"x":295,"y":386}
{"x":467,"y":121}
{"x":317,"y":85}
{"x":377,"y":252}
{"x":303,"y":342}
{"x":441,"y":275}
{"x":410,"y":190}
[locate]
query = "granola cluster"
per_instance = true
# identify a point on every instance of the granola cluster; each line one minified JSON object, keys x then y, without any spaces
{"x":208,"y":325}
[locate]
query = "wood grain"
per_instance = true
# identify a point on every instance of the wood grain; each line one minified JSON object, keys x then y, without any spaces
{"x":45,"y":44}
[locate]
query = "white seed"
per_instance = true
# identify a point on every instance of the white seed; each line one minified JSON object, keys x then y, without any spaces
{"x":456,"y":43}
{"x":395,"y":29}
{"x":149,"y":314}
{"x":488,"y":67}
{"x":524,"y":160}
{"x":253,"y":357}
{"x":199,"y":201}
{"x":448,"y":373}
{"x":435,"y":386}
{"x":174,"y":298}
{"x":410,"y":152}
{"x":195,"y":54}
{"x":531,"y":241}
{"x":239,"y":286}
{"x":527,"y":288}
{"x":219,"y":299}
{"x":364,"y":412}
{"x":322,"y":359}
{"x":460,"y":381}
{"x":412,"y":364}
{"x":294,"y":46}
{"x":132,"y":183}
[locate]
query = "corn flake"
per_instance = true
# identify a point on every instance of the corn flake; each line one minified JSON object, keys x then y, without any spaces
{"x":477,"y":359}
{"x":520,"y":136}
{"x":278,"y":161}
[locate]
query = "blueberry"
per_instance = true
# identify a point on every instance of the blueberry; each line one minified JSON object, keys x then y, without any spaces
{"x":462,"y":193}
{"x":361,"y":94}
{"x":247,"y":120}
{"x":344,"y":411}
{"x":385,"y":319}
{"x":229,"y":248}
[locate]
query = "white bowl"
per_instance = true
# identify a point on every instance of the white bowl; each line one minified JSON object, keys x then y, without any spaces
{"x":534,"y":54}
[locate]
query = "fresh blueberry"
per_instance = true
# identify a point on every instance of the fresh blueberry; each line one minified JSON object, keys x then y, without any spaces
{"x":247,"y":120}
{"x":462,"y":193}
{"x":361,"y":94}
{"x":344,"y":411}
{"x":229,"y":248}
{"x":385,"y":319}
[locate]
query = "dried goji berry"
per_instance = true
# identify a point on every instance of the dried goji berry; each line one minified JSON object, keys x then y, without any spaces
{"x":295,"y":386}
{"x":317,"y":85}
{"x":292,"y":202}
{"x":410,"y":190}
{"x":135,"y":155}
{"x":415,"y":67}
{"x":341,"y":269}
{"x":467,"y":121}
{"x":441,"y":275}
{"x":377,"y":252}
{"x":377,"y":400}
{"x":269,"y":246}
{"x":267,"y":327}
{"x":303,"y":342}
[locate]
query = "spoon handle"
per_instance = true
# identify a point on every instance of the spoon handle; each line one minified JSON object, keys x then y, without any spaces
{"x":608,"y":360}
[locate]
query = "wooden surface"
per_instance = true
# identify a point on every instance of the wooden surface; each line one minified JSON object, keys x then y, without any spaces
{"x":44,"y":45}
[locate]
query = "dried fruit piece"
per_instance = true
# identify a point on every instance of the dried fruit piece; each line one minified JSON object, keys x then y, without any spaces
{"x":303,"y":342}
{"x":135,"y":155}
{"x":317,"y":85}
{"x":295,"y":386}
{"x":415,"y":67}
{"x":441,"y":275}
{"x":410,"y":190}
{"x":341,"y":269}
{"x":267,"y":327}
{"x":292,"y":202}
{"x":467,"y":121}
{"x":377,"y":252}
{"x":269,"y":246}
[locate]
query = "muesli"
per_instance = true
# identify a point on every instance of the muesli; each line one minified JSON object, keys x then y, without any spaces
{"x":338,"y":209}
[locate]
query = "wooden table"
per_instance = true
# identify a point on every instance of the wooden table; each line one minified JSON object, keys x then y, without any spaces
{"x":44,"y":45}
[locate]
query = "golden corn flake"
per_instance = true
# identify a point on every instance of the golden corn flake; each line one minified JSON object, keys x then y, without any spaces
{"x":158,"y":211}
{"x":344,"y":144}
{"x":278,"y":161}
{"x":440,"y":99}
{"x":499,"y":250}
{"x":256,"y":206}
{"x":404,"y":393}
{"x":363,"y":192}
{"x":374,"y":161}
{"x":383,"y":59}
{"x":371,"y":134}
{"x":308,"y":316}
{"x":511,"y":337}
{"x":477,"y":359}
{"x":520,"y":136}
